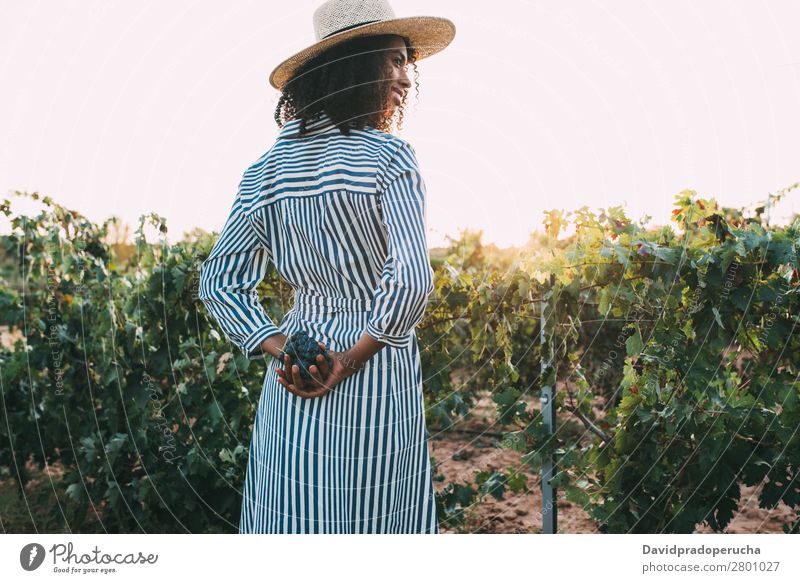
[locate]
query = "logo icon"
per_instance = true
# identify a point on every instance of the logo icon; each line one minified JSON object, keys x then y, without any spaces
{"x":31,"y":556}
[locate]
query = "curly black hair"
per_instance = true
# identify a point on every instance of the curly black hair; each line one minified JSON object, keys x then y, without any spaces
{"x":348,"y":82}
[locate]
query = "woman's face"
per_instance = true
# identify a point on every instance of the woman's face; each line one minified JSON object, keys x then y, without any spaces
{"x":396,"y":63}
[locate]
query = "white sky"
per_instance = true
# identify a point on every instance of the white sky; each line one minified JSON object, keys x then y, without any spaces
{"x":125,"y":108}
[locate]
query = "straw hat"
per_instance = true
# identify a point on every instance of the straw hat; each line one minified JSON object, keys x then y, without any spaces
{"x":336,"y":21}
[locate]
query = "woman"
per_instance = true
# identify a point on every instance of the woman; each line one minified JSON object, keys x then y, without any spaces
{"x":338,"y":205}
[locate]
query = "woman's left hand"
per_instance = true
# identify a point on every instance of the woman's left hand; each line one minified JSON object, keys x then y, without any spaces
{"x":291,"y":378}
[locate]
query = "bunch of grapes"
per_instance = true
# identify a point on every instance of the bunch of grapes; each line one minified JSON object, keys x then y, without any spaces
{"x":303,"y":350}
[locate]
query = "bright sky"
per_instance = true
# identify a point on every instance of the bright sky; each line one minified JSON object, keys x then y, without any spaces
{"x":124,"y":108}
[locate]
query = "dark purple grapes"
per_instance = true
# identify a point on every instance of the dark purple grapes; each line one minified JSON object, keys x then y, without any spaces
{"x":303,"y":351}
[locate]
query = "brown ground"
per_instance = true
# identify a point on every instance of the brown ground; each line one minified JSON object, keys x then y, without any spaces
{"x":522,"y":512}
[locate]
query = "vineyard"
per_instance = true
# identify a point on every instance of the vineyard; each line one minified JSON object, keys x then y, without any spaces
{"x":672,"y":353}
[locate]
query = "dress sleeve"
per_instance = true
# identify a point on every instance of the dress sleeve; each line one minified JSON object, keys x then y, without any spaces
{"x":406,"y":281}
{"x":237,"y":262}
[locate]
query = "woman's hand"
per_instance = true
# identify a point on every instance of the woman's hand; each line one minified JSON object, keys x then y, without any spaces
{"x":291,"y":378}
{"x":343,"y":366}
{"x":323,"y":378}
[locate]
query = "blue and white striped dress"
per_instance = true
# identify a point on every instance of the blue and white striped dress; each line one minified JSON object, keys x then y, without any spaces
{"x":343,"y":219}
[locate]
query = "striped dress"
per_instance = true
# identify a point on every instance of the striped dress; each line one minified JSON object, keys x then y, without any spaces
{"x":343,"y":219}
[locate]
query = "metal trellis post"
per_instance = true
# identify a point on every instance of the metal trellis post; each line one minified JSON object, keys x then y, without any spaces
{"x":547,"y":399}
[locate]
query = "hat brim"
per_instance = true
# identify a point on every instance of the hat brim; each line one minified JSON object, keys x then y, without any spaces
{"x":427,"y":34}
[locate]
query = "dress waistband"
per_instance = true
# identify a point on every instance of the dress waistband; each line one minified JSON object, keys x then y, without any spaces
{"x":329,"y":303}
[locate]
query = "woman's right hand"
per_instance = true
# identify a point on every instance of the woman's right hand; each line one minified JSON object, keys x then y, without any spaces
{"x":342,"y":367}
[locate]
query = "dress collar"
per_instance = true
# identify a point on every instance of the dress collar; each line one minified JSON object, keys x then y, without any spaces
{"x":320,"y":124}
